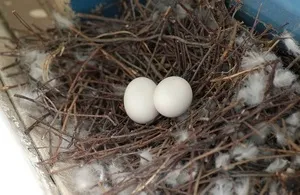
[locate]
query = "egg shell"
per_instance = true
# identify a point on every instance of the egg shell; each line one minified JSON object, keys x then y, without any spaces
{"x":138,"y":100}
{"x":173,"y":96}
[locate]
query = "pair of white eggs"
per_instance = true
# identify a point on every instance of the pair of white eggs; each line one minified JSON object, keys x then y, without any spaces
{"x":144,"y":100}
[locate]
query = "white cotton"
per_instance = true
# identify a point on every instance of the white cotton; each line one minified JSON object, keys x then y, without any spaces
{"x":155,"y":16}
{"x":281,"y":138}
{"x":274,"y":188}
{"x":181,"y":12}
{"x":296,"y":87}
{"x":188,"y":174}
{"x":222,"y":187}
{"x":254,"y":88}
{"x":291,"y":132}
{"x":242,"y":186}
{"x":253,"y":59}
{"x":83,"y":134}
{"x":32,"y":56}
{"x":245,"y":152}
{"x":290,"y":171}
{"x":62,"y":21}
{"x":36,"y":72}
{"x":283,"y":78}
{"x":290,"y":43}
{"x":277,"y":165}
{"x":145,"y":157}
{"x":296,"y":160}
{"x":243,"y":39}
{"x":293,"y":119}
{"x":171,"y":178}
{"x":182,"y":136}
{"x":117,"y":173}
{"x":222,"y":160}
{"x":88,"y":176}
{"x":177,"y":177}
{"x":263,"y":130}
{"x":35,"y":61}
{"x":127,"y":191}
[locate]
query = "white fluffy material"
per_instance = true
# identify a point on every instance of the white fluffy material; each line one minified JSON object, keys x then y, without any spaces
{"x":284,"y":78}
{"x":182,"y":136}
{"x":243,"y":39}
{"x":35,"y":60}
{"x":171,"y":178}
{"x":62,"y":21}
{"x":245,"y":151}
{"x":293,"y":119}
{"x":155,"y":15}
{"x":117,"y":173}
{"x":264,"y":129}
{"x":145,"y":157}
{"x":87,"y":177}
{"x":281,"y":138}
{"x":274,"y":188}
{"x":296,"y":160}
{"x":296,"y":87}
{"x":292,"y":132}
{"x":242,"y":186}
{"x":222,"y":160}
{"x":252,"y":59}
{"x":290,"y":43}
{"x":290,"y":171}
{"x":181,"y":12}
{"x":188,"y":174}
{"x":222,"y":187}
{"x":254,"y":88}
{"x":177,"y":177}
{"x":277,"y":165}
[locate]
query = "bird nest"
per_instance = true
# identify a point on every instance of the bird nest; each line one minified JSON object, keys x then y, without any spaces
{"x":240,"y":135}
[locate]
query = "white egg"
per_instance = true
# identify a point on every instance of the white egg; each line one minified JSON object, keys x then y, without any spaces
{"x":138,"y":100}
{"x":173,"y":96}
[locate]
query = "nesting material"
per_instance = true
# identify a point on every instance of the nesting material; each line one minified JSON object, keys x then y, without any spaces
{"x":290,"y":43}
{"x":252,"y":59}
{"x":243,"y":85}
{"x":222,"y":160}
{"x":254,"y":89}
{"x":278,"y":165}
{"x":284,"y":78}
{"x":62,"y":21}
{"x":245,"y":151}
{"x":222,"y":186}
